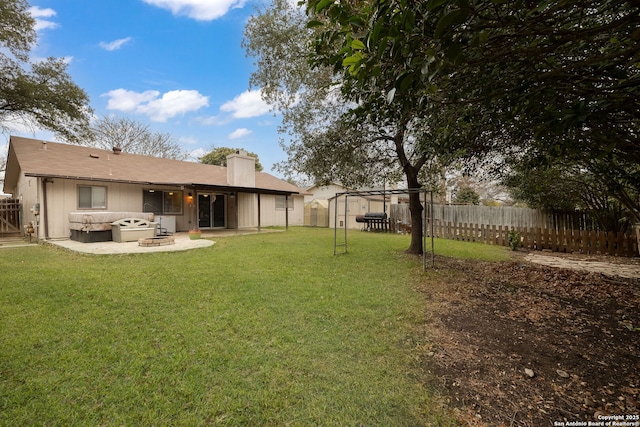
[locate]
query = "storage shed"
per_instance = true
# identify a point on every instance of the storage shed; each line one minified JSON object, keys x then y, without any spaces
{"x":316,"y":213}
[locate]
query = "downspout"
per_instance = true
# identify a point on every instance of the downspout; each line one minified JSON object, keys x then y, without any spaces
{"x":236,"y":197}
{"x":45,"y":215}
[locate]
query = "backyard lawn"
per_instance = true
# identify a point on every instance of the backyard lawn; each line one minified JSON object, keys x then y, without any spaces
{"x":268,"y":329}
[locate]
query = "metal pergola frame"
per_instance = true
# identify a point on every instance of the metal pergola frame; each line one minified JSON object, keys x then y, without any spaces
{"x":383,"y":193}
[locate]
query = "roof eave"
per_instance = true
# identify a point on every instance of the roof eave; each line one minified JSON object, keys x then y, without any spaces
{"x":229,"y":188}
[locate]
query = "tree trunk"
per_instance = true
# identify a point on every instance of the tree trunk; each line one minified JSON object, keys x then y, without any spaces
{"x":415,"y":207}
{"x":416,"y":223}
{"x":411,"y":173}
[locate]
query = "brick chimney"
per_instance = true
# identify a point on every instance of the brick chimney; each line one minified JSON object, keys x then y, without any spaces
{"x":241,"y":169}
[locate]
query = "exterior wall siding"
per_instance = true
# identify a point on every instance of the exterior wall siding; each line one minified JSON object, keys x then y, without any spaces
{"x":269,"y":215}
{"x":27,"y":192}
{"x":278,"y":216}
{"x":62,"y":199}
{"x":247,"y":210}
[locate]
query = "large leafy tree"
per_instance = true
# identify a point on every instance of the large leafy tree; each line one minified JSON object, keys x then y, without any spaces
{"x":218,"y":156}
{"x":467,"y":195}
{"x":133,"y":137}
{"x":556,"y":79}
{"x":36,"y":94}
{"x":311,"y":104}
{"x":338,"y":131}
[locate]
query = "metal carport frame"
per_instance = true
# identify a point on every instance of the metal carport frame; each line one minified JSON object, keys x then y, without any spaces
{"x":422,"y":191}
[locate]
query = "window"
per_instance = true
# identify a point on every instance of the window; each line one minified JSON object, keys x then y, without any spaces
{"x":92,"y":197}
{"x":281,"y":201}
{"x":162,"y":202}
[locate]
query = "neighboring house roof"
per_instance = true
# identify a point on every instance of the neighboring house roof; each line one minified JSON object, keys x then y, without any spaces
{"x":314,"y":186}
{"x":55,"y":160}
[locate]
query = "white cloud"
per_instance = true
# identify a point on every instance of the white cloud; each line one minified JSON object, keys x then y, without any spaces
{"x":174,"y":103}
{"x":127,"y":100}
{"x":200,"y":10}
{"x":194,"y":155}
{"x":239,"y":133}
{"x":159,"y":109}
{"x":38,"y":14}
{"x":247,"y":104}
{"x":115,"y":45}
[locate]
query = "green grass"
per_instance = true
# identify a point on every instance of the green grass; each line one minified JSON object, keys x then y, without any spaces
{"x":267,"y":329}
{"x":470,"y":250}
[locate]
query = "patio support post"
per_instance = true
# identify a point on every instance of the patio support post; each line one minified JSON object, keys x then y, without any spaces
{"x":286,"y":212}
{"x":259,"y":212}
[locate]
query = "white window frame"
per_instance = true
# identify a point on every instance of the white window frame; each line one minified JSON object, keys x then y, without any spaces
{"x":281,"y":200}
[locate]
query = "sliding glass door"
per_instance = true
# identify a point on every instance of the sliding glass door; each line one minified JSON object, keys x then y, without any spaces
{"x":211,"y":210}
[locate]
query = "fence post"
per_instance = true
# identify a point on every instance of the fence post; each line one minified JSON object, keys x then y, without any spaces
{"x":532,"y":238}
{"x":589,"y":241}
{"x":588,"y":244}
{"x":619,"y":249}
{"x":570,"y":232}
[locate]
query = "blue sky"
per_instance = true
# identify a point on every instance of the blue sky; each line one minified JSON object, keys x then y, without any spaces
{"x":176,"y":65}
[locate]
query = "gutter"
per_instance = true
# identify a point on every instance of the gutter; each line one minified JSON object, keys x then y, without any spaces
{"x":250,"y":190}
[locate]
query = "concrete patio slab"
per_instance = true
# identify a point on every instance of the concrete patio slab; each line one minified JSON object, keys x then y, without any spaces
{"x":182,"y":243}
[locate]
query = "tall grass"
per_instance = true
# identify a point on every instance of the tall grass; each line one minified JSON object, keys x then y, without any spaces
{"x":266,"y":329}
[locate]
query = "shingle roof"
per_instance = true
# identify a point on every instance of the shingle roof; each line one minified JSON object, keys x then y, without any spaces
{"x":51,"y":159}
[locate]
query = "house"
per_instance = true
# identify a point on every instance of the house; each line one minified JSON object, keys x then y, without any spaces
{"x":53,"y":180}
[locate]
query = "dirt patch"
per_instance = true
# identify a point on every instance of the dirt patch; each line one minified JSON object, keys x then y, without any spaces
{"x":520,"y":344}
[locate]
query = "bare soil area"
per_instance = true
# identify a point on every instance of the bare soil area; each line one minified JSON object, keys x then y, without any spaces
{"x":520,"y":344}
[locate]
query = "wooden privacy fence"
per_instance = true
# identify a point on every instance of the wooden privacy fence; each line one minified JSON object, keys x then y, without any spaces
{"x":499,"y":215}
{"x":9,"y":216}
{"x":535,"y":238}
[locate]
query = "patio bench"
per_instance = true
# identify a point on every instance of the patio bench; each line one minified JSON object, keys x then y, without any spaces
{"x":132,"y":229}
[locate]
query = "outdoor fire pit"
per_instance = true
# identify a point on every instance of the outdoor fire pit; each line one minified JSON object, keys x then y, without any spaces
{"x":156,"y":241}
